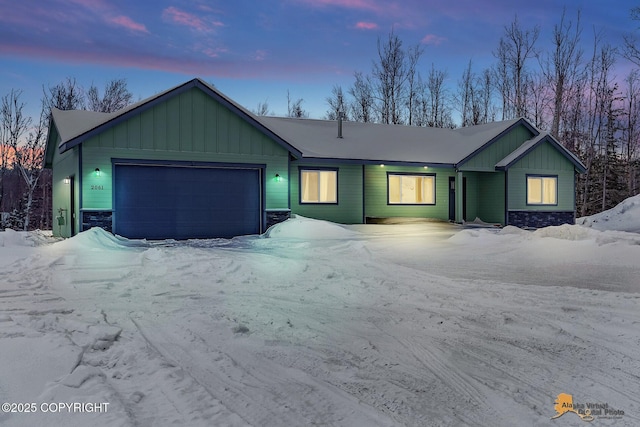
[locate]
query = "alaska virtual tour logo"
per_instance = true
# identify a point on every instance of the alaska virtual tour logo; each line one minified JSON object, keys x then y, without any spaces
{"x":586,"y":411}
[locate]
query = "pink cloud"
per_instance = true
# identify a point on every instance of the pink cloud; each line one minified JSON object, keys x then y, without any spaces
{"x":432,"y":39}
{"x":126,"y":22}
{"x":214,"y":53}
{"x":96,"y":5}
{"x":183,"y":18}
{"x":349,"y":4}
{"x":188,"y":19}
{"x":199,"y":65}
{"x":366,"y":26}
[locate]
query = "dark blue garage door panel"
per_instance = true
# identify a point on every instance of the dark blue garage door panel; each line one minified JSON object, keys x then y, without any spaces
{"x":158,"y":202}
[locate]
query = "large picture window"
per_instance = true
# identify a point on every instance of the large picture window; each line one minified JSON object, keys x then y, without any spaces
{"x":542,"y":190}
{"x":412,"y":189}
{"x":318,"y":186}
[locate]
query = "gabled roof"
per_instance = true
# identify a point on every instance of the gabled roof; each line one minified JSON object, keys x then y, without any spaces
{"x":76,"y":126}
{"x":377,"y":143}
{"x":531,"y":144}
{"x":318,"y":139}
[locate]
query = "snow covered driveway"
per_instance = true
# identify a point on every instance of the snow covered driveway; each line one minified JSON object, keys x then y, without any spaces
{"x":419,"y":325}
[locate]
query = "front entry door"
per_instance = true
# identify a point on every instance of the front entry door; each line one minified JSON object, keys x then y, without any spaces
{"x":464,"y":198}
{"x":452,"y":198}
{"x":72,"y":206}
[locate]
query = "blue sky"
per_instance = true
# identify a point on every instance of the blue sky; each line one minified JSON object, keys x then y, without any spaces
{"x":255,"y":51}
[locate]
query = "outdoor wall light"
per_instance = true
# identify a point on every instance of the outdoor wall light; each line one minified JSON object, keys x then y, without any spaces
{"x":97,"y":172}
{"x":382,"y":165}
{"x":426,"y":167}
{"x":278,"y":178}
{"x":67,"y":180}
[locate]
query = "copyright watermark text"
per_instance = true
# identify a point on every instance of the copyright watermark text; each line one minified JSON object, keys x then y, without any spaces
{"x":55,"y":407}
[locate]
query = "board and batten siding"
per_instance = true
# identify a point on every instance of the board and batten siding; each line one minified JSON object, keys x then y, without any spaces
{"x":348,"y":210}
{"x":542,"y":160}
{"x":190,"y":126}
{"x":487,"y":159}
{"x":376,"y":193}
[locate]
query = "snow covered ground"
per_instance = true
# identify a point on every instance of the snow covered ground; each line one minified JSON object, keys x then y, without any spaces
{"x":319,"y":324}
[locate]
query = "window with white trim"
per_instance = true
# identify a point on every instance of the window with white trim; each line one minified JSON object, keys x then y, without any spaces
{"x":318,"y":186}
{"x":411,"y":189}
{"x":542,"y":190}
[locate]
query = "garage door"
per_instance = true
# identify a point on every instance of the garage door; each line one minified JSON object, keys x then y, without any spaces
{"x":161,"y":202}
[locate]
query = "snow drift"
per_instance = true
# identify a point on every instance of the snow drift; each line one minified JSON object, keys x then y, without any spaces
{"x":299,"y":227}
{"x":623,"y":217}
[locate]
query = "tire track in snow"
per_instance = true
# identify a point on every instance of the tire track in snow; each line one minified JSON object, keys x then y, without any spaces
{"x":226,"y":416}
{"x":265,"y":392}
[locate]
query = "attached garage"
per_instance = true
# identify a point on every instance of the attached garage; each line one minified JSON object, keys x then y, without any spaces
{"x":183,"y":202}
{"x":185,"y":163}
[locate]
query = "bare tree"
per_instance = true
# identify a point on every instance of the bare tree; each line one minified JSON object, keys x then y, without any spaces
{"x":537,"y":98}
{"x":485,"y":91}
{"x":439,"y":112}
{"x":116,"y":97}
{"x":389,"y":76}
{"x":337,"y":104}
{"x":294,"y":108}
{"x":6,"y":154}
{"x":599,"y":127}
{"x":67,"y":95}
{"x":29,"y":159}
{"x":465,"y":95}
{"x":413,"y":81}
{"x":572,"y":134}
{"x":631,"y":130}
{"x":502,"y":80}
{"x":362,"y":106}
{"x":475,"y":97}
{"x":631,"y":49}
{"x":516,"y":46}
{"x":28,"y":154}
{"x":562,"y":67}
{"x":262,"y":109}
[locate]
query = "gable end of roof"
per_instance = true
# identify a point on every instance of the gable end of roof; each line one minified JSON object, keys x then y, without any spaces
{"x":526,"y":148}
{"x":521,"y":122}
{"x":151,"y":102}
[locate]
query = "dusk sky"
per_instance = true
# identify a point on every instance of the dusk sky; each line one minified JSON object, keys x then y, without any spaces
{"x":254,"y":51}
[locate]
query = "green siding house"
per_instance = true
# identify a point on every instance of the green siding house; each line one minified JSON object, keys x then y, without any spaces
{"x":191,"y":163}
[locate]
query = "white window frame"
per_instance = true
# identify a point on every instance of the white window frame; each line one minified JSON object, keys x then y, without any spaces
{"x":542,"y":190}
{"x":324,"y":196}
{"x":425,"y":183}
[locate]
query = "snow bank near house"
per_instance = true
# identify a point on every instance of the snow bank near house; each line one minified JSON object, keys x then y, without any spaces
{"x":489,"y":236}
{"x":299,"y":227}
{"x":569,"y":232}
{"x":624,"y":217}
{"x":97,"y":238}
{"x":10,"y":238}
